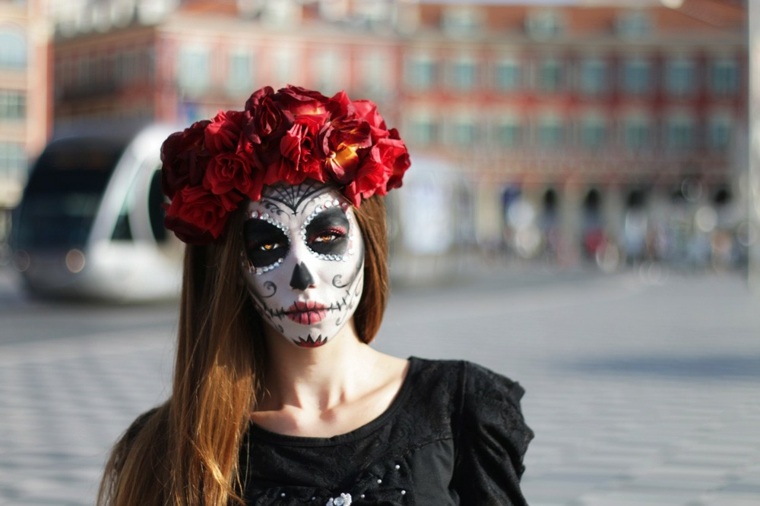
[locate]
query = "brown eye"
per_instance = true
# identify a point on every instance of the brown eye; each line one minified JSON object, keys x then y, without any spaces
{"x":327,"y":233}
{"x":328,"y":236}
{"x":269,"y":246}
{"x":265,"y":244}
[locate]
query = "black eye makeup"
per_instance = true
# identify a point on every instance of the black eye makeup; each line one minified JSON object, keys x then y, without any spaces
{"x":266,"y":244}
{"x":326,"y":234}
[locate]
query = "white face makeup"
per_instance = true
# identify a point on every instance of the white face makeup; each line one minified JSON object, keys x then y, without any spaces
{"x":303,"y":261}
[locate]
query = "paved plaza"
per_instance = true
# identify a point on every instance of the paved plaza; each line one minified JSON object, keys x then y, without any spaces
{"x":643,"y":387}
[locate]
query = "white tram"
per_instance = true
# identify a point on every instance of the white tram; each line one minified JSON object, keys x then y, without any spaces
{"x":90,"y":222}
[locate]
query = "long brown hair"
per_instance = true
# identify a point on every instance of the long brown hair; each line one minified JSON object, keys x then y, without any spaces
{"x":185,"y":452}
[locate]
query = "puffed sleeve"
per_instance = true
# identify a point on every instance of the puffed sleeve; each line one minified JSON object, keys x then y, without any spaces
{"x":491,"y":439}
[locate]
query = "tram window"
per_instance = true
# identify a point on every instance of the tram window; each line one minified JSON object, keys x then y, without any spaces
{"x":64,"y":192}
{"x":156,"y":209}
{"x":122,"y":231}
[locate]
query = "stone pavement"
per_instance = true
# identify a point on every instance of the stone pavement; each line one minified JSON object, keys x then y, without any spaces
{"x":642,"y":390}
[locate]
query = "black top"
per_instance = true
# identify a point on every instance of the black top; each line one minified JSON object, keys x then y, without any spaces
{"x":454,"y":435}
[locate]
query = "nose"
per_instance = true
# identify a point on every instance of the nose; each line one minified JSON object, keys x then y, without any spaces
{"x":302,"y":278}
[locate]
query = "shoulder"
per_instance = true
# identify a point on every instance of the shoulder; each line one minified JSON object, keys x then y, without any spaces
{"x":489,"y":413}
{"x":467,"y":380}
{"x":480,"y":383}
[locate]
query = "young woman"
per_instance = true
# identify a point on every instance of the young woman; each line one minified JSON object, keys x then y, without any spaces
{"x":277,"y":397}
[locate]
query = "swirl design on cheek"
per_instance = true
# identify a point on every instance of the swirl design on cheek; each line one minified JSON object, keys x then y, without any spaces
{"x":271,"y":289}
{"x":337,"y":281}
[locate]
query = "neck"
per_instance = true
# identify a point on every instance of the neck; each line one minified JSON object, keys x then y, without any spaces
{"x":315,"y":378}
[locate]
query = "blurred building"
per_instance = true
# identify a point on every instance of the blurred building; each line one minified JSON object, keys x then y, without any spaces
{"x":595,"y":128}
{"x":24,"y":121}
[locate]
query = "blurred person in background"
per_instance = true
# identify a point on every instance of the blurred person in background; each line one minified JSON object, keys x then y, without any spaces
{"x":277,"y":397}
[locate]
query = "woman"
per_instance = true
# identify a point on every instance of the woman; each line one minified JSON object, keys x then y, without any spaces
{"x":277,"y":397}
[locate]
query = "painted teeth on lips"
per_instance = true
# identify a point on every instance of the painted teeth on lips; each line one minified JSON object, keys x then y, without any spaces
{"x":306,"y":313}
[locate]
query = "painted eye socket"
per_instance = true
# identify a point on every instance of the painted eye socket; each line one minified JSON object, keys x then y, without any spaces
{"x":327,"y":233}
{"x":265,"y":243}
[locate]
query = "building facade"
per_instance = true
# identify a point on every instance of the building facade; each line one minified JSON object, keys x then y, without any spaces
{"x":24,"y":108}
{"x":602,"y":131}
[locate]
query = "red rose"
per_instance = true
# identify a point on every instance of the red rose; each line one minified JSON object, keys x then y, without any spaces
{"x":287,"y":137}
{"x":367,"y":110}
{"x":223,"y":133}
{"x":267,"y":120}
{"x":371,"y":178}
{"x":299,"y":145}
{"x":257,"y":96}
{"x":341,"y":141}
{"x":340,"y":105}
{"x":196,"y":207}
{"x":232,"y":171}
{"x":394,"y":155}
{"x":300,"y":101}
{"x":183,"y":158}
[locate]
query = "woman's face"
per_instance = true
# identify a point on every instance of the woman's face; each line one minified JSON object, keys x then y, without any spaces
{"x":304,"y":261}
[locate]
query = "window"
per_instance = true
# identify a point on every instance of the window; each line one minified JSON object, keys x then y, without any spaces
{"x":507,"y":75}
{"x":83,"y":71}
{"x":421,"y":130}
{"x":194,"y":69}
{"x":719,"y":132}
{"x":543,"y":24}
{"x":592,"y":134}
{"x":463,"y":74}
{"x":239,"y":71}
{"x":550,"y":132}
{"x":374,"y":76}
{"x":463,"y":132}
{"x":550,"y":75}
{"x":637,"y":76}
{"x":284,"y":66}
{"x":679,"y":133}
{"x":633,"y":24}
{"x":126,"y":66}
{"x":462,"y":21}
{"x":287,"y":13}
{"x":680,"y":77}
{"x":723,"y":77}
{"x":420,"y":72}
{"x":508,"y":132}
{"x":326,"y":68}
{"x":12,"y":105}
{"x":637,"y":133}
{"x":12,"y":162}
{"x":12,"y":48}
{"x":593,"y":76}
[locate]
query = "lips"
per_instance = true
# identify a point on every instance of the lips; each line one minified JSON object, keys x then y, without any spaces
{"x":306,"y":313}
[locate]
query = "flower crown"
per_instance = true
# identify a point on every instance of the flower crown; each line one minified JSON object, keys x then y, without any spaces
{"x":287,"y":136}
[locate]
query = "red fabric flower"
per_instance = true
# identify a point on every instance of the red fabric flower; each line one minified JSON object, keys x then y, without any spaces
{"x":299,"y":145}
{"x":367,"y":111}
{"x":300,"y":101}
{"x":196,"y":214}
{"x":342,"y":141}
{"x":184,"y":158}
{"x":395,"y":156}
{"x":223,"y":133}
{"x":287,"y":136}
{"x":232,"y":171}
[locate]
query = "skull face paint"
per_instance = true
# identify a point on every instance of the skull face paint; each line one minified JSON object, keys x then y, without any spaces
{"x":303,"y":261}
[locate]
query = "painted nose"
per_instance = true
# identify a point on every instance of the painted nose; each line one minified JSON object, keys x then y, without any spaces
{"x":301,"y":279}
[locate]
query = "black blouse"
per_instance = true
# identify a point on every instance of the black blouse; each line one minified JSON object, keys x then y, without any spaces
{"x":454,"y":435}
